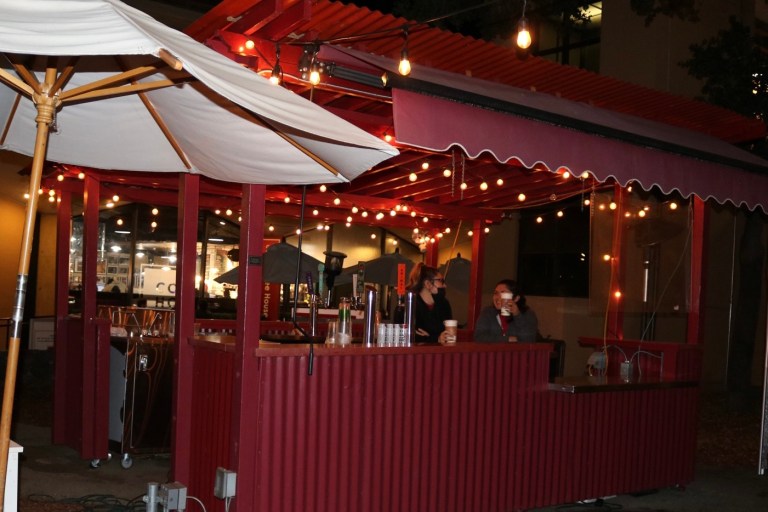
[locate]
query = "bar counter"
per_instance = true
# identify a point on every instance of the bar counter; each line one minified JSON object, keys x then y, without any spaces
{"x":470,"y":427}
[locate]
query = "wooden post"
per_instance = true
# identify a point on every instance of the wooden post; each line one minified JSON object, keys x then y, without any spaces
{"x":249,"y":295}
{"x":476,"y":273}
{"x":186,"y":248}
{"x":698,"y":224}
{"x":46,"y":106}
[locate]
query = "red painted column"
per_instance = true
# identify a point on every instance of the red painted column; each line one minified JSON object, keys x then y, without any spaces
{"x":698,"y":225}
{"x":181,"y":445}
{"x":63,"y":234}
{"x":249,"y":306}
{"x":476,"y":273}
{"x":90,"y":254}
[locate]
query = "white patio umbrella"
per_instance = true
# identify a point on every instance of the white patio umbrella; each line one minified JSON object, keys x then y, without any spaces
{"x":119,"y":90}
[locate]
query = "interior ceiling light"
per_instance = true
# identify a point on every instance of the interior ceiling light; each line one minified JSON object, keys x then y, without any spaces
{"x":276,"y":78}
{"x":305,"y":61}
{"x":404,"y":68}
{"x":523,"y":32}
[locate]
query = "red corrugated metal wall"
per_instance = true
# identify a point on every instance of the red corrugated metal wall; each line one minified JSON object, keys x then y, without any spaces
{"x":463,"y":430}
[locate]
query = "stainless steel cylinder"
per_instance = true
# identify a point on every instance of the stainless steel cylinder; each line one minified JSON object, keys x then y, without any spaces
{"x":369,"y":319}
{"x":410,"y":314}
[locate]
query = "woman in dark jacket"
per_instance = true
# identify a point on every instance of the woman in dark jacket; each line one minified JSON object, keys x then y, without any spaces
{"x":431,"y":307}
{"x":521,"y":325}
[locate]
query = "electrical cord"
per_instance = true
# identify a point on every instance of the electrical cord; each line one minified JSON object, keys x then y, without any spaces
{"x":198,"y":500}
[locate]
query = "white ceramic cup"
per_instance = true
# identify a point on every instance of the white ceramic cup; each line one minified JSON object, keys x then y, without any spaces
{"x":506,"y":298}
{"x":451,"y":326}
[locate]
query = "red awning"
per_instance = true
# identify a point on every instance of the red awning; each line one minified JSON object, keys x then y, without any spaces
{"x":534,"y":128}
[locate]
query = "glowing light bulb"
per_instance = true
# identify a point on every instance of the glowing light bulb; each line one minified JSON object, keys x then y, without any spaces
{"x":392,"y":213}
{"x":587,"y":202}
{"x":673,"y":206}
{"x":228,"y":212}
{"x":523,"y":34}
{"x":379,"y":216}
{"x":81,"y":176}
{"x":470,"y":233}
{"x":425,"y":165}
{"x":373,"y":236}
{"x":606,"y":257}
{"x":364,"y":214}
{"x":521,"y":197}
{"x":387,"y":137}
{"x":539,"y":220}
{"x":560,"y":213}
{"x":425,"y":219}
{"x":413,"y":213}
{"x":249,"y":45}
{"x":314,"y":77}
{"x":487,"y":230}
{"x":413,"y":176}
{"x":336,"y":201}
{"x":153,"y":224}
{"x":404,"y":68}
{"x":447,"y":173}
{"x":463,"y":185}
{"x":60,"y":177}
{"x":155,"y":211}
{"x":287,"y":200}
{"x":271,"y":228}
{"x":499,"y":182}
{"x":323,"y":188}
{"x":617,"y":294}
{"x":483,"y":186}
{"x":613,"y":205}
{"x":315,"y":212}
{"x":355,"y":209}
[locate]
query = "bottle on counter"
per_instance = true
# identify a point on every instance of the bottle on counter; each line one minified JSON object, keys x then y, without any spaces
{"x":344,"y":334}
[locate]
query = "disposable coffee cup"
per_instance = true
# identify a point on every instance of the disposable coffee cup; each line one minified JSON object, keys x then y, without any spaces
{"x":451,"y":326}
{"x":506,"y":298}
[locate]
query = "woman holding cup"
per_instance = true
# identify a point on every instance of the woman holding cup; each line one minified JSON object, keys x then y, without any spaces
{"x":509,"y":319}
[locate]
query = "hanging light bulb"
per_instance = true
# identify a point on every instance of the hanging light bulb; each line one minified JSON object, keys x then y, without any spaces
{"x":276,"y":77}
{"x":314,"y":73}
{"x":523,"y":32}
{"x":404,"y":68}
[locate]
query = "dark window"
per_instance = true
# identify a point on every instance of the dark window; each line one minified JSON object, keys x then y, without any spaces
{"x":554,"y":253}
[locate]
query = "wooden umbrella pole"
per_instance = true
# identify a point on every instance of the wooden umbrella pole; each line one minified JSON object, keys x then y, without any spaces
{"x":46,"y":106}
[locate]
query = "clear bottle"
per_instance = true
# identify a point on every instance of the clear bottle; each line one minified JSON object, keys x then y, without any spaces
{"x":344,"y":334}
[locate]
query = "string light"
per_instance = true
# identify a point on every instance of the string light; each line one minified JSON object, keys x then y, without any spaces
{"x":404,"y":68}
{"x":323,"y":188}
{"x":336,"y":201}
{"x":523,"y":32}
{"x":412,"y":177}
{"x":499,"y":182}
{"x":276,"y":77}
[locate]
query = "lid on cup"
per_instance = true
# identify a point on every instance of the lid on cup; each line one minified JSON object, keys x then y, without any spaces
{"x":451,"y":323}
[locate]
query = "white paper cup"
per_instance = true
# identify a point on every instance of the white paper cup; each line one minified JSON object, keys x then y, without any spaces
{"x":506,"y":298}
{"x":451,"y":326}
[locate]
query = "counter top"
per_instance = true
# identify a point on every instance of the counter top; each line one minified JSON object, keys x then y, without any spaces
{"x":589,"y":384}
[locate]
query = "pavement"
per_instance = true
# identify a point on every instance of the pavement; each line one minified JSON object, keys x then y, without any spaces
{"x":55,"y":474}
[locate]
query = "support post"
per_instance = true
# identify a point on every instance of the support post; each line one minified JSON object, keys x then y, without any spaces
{"x":186,"y":248}
{"x":249,"y":296}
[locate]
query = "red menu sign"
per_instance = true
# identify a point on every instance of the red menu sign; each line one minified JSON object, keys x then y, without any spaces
{"x":401,"y":278}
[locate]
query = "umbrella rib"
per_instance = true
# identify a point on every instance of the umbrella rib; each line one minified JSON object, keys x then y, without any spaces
{"x":126,"y":76}
{"x":118,"y":91}
{"x":16,"y":83}
{"x":9,"y":119}
{"x":164,"y":128}
{"x":298,"y":146}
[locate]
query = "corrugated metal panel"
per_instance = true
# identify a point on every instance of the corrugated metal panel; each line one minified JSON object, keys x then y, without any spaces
{"x":461,"y":54}
{"x":211,"y":417}
{"x":448,"y":431}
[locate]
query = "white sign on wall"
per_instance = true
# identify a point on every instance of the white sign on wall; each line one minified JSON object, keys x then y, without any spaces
{"x":159,"y":281}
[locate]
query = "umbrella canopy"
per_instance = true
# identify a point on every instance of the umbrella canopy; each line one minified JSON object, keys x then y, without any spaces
{"x":381,"y":270}
{"x":116,"y":89}
{"x":212,"y":116}
{"x":279,"y":266}
{"x":457,"y":272}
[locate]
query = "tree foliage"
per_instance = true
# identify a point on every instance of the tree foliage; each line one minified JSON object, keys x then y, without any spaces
{"x":733,"y":69}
